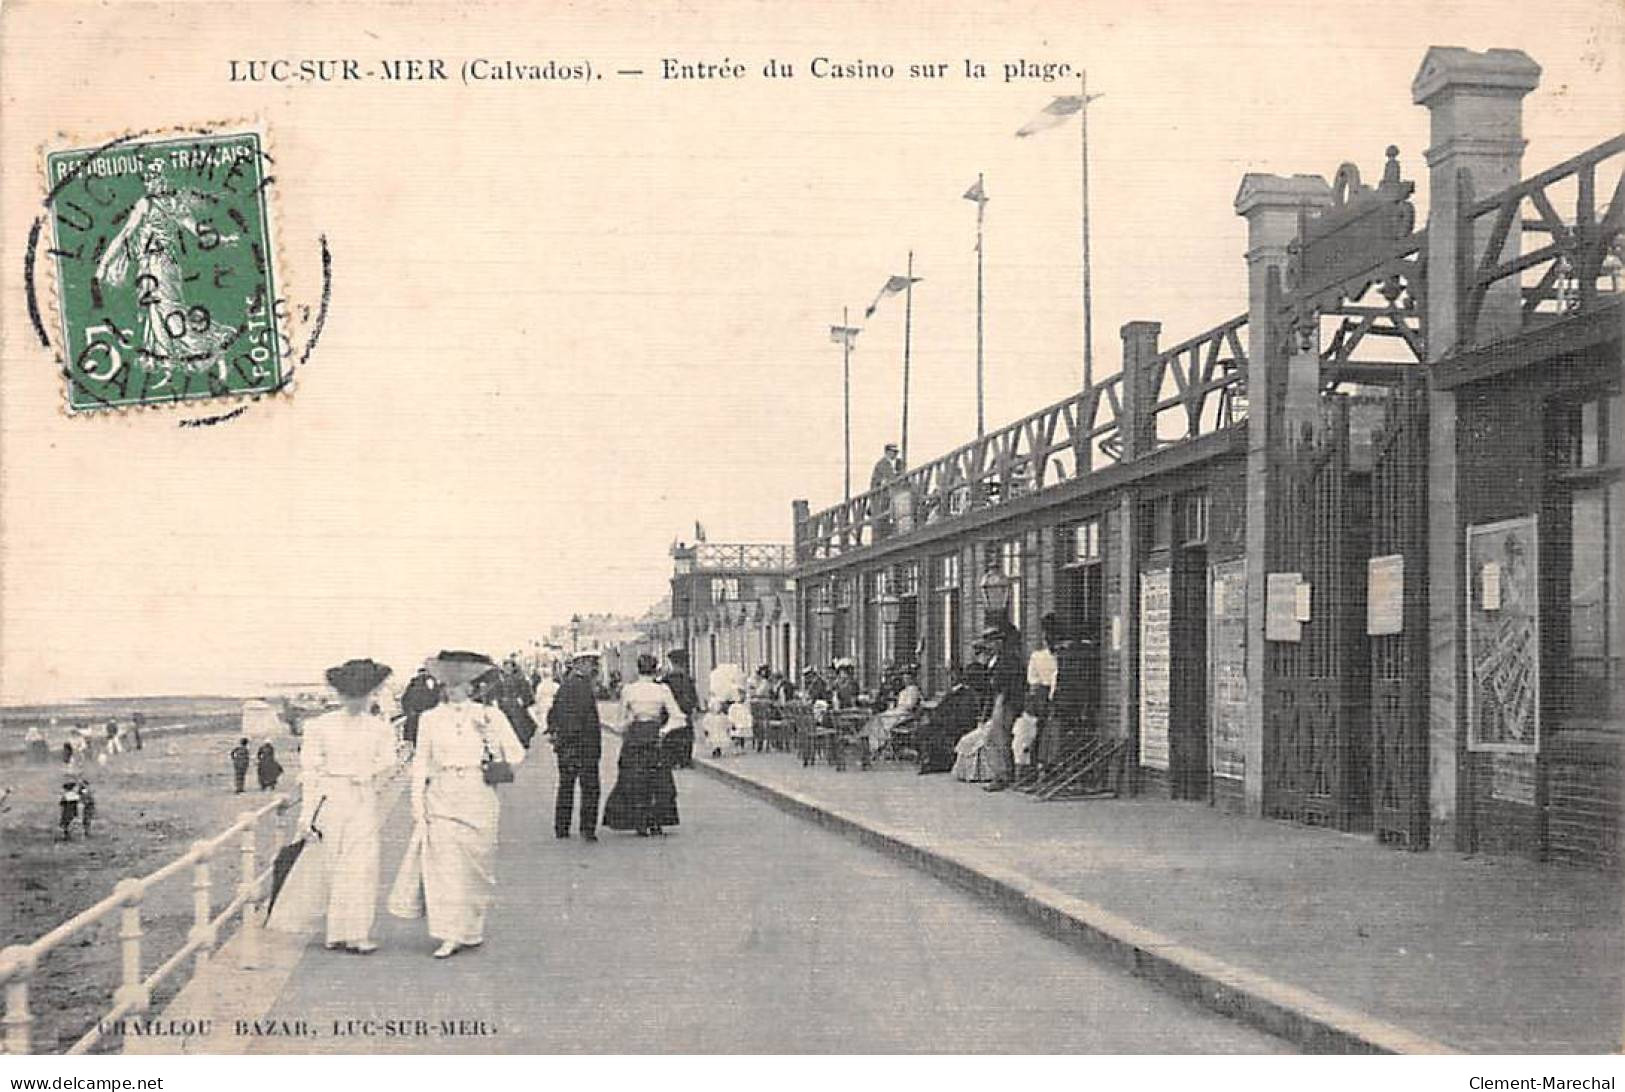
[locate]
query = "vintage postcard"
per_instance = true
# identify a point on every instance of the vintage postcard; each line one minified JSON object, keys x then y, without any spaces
{"x":812,"y":528}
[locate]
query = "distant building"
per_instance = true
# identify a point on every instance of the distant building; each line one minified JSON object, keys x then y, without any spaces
{"x":729,"y":603}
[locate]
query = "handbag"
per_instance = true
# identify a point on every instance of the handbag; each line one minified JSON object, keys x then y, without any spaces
{"x":496,"y":771}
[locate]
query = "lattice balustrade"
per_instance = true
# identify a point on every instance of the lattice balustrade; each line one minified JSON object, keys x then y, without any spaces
{"x":1565,"y":263}
{"x":1195,"y":388}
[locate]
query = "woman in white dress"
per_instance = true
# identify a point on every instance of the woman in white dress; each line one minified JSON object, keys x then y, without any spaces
{"x":449,"y":869}
{"x":344,"y":759}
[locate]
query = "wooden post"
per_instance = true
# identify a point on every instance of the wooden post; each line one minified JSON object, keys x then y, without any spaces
{"x":201,"y":932}
{"x":246,"y":888}
{"x":16,"y":969}
{"x":1083,"y":195}
{"x":908,"y":327}
{"x":131,"y":995}
{"x":846,"y":397}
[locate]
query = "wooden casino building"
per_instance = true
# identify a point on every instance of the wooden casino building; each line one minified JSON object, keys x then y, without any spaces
{"x":1350,"y":558}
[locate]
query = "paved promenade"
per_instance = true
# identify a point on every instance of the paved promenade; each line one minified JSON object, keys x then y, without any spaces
{"x":747,"y":930}
{"x":1434,"y":950}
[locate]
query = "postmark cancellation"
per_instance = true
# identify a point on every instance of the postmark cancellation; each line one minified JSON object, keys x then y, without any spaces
{"x":162,"y":258}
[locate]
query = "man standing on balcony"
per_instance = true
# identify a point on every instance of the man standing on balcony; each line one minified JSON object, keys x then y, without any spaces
{"x":888,"y":469}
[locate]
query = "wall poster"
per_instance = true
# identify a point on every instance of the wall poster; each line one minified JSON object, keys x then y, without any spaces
{"x":1155,"y":603}
{"x":1503,"y":637}
{"x":1281,"y":607}
{"x":1227,"y":667}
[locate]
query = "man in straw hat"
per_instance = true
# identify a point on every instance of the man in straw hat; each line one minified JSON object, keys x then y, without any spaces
{"x":345,"y":758}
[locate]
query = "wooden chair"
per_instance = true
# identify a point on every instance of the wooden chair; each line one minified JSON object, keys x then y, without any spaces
{"x":850,"y":737}
{"x":809,"y":737}
{"x":768,"y":723}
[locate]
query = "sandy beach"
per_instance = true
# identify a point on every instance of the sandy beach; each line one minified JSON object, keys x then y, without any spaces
{"x":151,"y":805}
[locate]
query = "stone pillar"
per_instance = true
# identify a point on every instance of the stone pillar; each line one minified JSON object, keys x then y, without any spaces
{"x":800,"y":513}
{"x":1476,"y":104}
{"x":1138,"y":428}
{"x":1271,"y":205}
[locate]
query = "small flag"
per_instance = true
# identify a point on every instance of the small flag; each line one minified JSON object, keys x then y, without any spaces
{"x":847,"y":335}
{"x":892,"y":286}
{"x":976,"y":193}
{"x":1052,"y":115}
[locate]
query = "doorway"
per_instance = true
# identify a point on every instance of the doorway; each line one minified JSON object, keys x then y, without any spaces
{"x":1082,"y":613}
{"x":1188,"y":759}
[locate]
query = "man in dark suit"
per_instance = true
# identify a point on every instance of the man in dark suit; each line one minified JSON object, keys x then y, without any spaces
{"x":677,"y":745}
{"x":577,"y":743}
{"x":1007,"y":674}
{"x":421,"y":695}
{"x":956,"y":714}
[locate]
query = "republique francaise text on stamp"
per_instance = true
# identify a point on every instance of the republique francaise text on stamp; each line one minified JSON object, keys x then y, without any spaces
{"x":165,"y":283}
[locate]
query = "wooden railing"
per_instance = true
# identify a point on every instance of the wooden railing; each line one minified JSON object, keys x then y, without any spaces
{"x":1192,"y":389}
{"x":19,"y":963}
{"x":1579,"y":252}
{"x":747,"y":557}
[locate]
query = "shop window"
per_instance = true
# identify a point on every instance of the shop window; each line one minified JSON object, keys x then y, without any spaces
{"x":947,"y":571}
{"x":1590,"y":496}
{"x":907,"y":579}
{"x":1083,"y":543}
{"x":1157,"y":524}
{"x":1596,"y":616}
{"x":724,"y":589}
{"x":1009,"y":561}
{"x":1193,"y":519}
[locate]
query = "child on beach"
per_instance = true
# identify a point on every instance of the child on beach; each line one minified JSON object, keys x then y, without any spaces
{"x":76,"y":802}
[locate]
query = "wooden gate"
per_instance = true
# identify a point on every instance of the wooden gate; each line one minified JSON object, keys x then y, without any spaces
{"x":1316,"y":730}
{"x":1397,"y":620}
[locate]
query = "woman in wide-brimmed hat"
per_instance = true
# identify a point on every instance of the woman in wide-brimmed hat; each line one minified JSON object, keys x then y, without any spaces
{"x":449,"y":869}
{"x":344,"y":759}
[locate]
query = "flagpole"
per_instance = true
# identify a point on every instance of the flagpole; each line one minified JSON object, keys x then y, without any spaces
{"x":1088,"y":316}
{"x":846,"y":401}
{"x":981,"y":203}
{"x":908,"y":321}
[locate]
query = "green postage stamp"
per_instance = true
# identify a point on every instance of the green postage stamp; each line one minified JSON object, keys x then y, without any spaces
{"x":165,"y":283}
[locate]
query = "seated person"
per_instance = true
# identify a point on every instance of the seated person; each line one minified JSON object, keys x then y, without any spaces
{"x":954,"y":717}
{"x":846,"y":685}
{"x":975,"y":759}
{"x":902,"y":710}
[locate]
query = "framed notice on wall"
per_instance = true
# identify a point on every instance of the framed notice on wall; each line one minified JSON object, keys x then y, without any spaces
{"x":1385,"y":595}
{"x":1281,"y":621}
{"x":1155,"y":613}
{"x":1503,"y":637}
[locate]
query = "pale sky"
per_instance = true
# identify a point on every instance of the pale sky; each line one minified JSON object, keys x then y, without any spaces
{"x":569,"y":320}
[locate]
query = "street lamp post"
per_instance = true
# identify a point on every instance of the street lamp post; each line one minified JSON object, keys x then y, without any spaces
{"x":995,"y":589}
{"x":575,"y":634}
{"x":825,"y":614}
{"x":890,"y":609}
